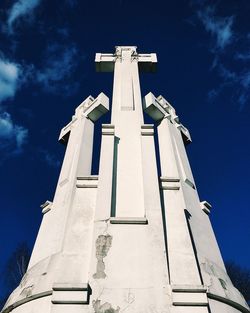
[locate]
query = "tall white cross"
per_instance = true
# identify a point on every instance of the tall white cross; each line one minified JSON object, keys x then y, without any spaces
{"x":127,"y":118}
{"x":126,"y":63}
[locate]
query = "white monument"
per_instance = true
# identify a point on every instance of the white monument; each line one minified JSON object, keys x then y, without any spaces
{"x":130,"y":239}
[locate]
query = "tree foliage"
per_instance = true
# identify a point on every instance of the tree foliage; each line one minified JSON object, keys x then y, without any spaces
{"x":240,"y":278}
{"x":14,"y":270}
{"x":16,"y":265}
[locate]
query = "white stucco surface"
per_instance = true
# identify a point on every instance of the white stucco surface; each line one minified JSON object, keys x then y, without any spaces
{"x":134,"y":238}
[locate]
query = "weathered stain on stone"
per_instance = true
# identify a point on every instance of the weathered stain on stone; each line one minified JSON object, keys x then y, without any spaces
{"x":212,"y":270}
{"x":104,"y":308}
{"x":223,"y":283}
{"x":26,"y":292}
{"x":103,"y":244}
{"x":130,"y":297}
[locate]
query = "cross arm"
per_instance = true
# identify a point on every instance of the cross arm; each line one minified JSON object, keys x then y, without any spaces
{"x":91,"y":108}
{"x":97,"y":107}
{"x":159,"y":108}
{"x":106,"y":62}
{"x":147,"y":62}
{"x":153,"y":108}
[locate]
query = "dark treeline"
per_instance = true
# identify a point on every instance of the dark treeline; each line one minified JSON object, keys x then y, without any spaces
{"x":240,"y":277}
{"x":14,"y":270}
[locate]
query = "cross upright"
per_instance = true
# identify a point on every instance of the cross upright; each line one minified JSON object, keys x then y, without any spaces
{"x":126,"y":63}
{"x":127,"y":118}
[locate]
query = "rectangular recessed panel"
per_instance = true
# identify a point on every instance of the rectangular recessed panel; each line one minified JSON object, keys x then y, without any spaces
{"x":69,"y":297}
{"x":189,"y":299}
{"x":64,"y":293}
{"x":128,"y":220}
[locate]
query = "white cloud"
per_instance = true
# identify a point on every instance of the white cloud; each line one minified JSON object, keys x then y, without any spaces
{"x":226,"y":74}
{"x":20,"y":8}
{"x":233,"y":77}
{"x":213,"y":93}
{"x":12,"y":136}
{"x":236,"y":82}
{"x":243,"y":98}
{"x":60,"y":63}
{"x":245,"y":79}
{"x":240,"y":79}
{"x":49,"y":158}
{"x":219,"y":27}
{"x":54,"y":75}
{"x":243,"y":56}
{"x":9,"y":73}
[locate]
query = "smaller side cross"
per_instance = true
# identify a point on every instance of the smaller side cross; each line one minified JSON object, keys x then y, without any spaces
{"x":91,"y":108}
{"x":159,"y":108}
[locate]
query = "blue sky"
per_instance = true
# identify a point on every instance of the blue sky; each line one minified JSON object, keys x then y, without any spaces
{"x":47,"y":68}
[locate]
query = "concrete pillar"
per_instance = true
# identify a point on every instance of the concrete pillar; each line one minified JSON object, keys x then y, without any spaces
{"x":196,"y":268}
{"x":78,"y":135}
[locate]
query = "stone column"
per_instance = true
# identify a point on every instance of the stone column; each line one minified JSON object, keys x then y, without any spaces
{"x":127,"y":118}
{"x":78,"y":135}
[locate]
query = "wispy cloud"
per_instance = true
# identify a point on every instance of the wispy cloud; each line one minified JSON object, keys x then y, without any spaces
{"x":225,"y":45}
{"x":226,"y":74}
{"x":221,"y":28}
{"x":19,"y":9}
{"x":236,"y":82}
{"x":64,"y":32}
{"x":49,"y":158}
{"x":12,"y":136}
{"x":60,"y":63}
{"x":243,"y":56}
{"x":54,"y":75}
{"x":245,"y":79}
{"x":9,"y":73}
{"x":72,"y":3}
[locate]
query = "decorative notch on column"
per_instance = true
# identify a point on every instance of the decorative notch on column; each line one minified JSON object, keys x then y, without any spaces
{"x":147,"y":130}
{"x":189,"y":295}
{"x":92,"y":108}
{"x":206,"y":207}
{"x":159,"y":108}
{"x":71,"y":293}
{"x":87,"y":181}
{"x":129,"y":220}
{"x":46,"y":206}
{"x":108,"y":129}
{"x":169,"y":183}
